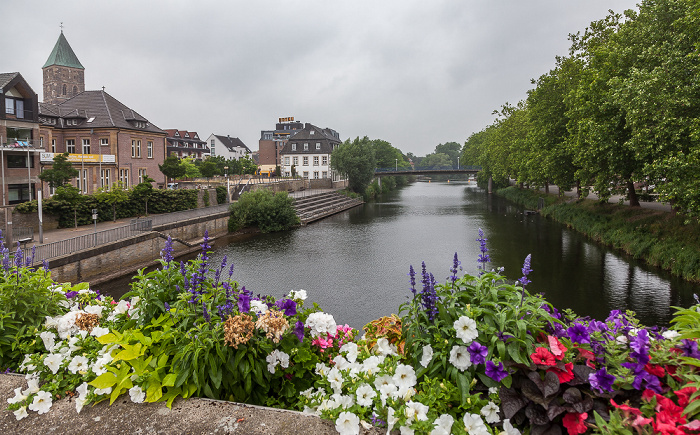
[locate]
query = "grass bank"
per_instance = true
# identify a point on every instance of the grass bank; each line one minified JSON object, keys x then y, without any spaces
{"x":656,"y":237}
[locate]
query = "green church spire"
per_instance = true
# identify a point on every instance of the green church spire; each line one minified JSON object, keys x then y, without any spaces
{"x":63,"y":55}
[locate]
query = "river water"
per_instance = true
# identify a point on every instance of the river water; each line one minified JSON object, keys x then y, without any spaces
{"x":355,"y":264}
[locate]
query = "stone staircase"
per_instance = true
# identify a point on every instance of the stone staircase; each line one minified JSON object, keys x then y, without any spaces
{"x":314,"y":207}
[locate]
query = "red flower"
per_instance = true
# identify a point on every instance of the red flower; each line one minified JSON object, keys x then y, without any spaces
{"x":684,"y":396}
{"x":671,"y":370}
{"x":543,"y":357}
{"x":648,"y":395}
{"x":588,"y":355}
{"x":626,"y":409}
{"x":556,"y":347}
{"x":655,"y":370}
{"x":564,"y":375}
{"x":574,"y":423}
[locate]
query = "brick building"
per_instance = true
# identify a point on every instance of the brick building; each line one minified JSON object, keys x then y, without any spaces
{"x":272,"y":142}
{"x":106,"y":140}
{"x":183,"y":143}
{"x":20,"y":143}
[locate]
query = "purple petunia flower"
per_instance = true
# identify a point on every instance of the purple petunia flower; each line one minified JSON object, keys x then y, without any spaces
{"x":478,"y":353}
{"x":495,"y":372}
{"x":601,"y":380}
{"x":288,"y":305}
{"x":690,"y":348}
{"x":299,"y":330}
{"x":71,"y":294}
{"x":579,"y":333}
{"x":244,"y":300}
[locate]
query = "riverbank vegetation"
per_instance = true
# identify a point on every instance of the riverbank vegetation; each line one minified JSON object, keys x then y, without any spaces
{"x":476,"y":354}
{"x":619,"y":112}
{"x":265,"y":210}
{"x":660,"y":238}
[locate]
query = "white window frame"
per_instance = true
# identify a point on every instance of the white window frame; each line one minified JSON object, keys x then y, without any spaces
{"x":315,"y":160}
{"x":306,"y":147}
{"x":324,"y":160}
{"x":294,"y":147}
{"x":295,"y":161}
{"x":70,"y":143}
{"x":318,"y":145}
{"x":86,"y":143}
{"x":138,"y":148}
{"x":286,"y":161}
{"x":149,"y":149}
{"x":305,"y":161}
{"x":104,"y":142}
{"x":53,"y":146}
{"x":104,"y":179}
{"x":133,"y":148}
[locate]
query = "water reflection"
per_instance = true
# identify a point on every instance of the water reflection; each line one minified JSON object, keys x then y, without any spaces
{"x":355,"y":264}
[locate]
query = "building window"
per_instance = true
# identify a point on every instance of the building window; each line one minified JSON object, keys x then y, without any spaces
{"x":306,"y":161}
{"x":17,"y":193}
{"x":133,"y":148}
{"x":324,"y":160}
{"x":124,"y":177}
{"x":70,"y":146}
{"x":316,"y":161}
{"x":295,"y":161}
{"x":104,"y":179}
{"x":53,"y":145}
{"x":138,"y":148}
{"x":104,"y":142}
{"x":316,"y":175}
{"x":142,"y":175}
{"x":10,"y":106}
{"x":81,"y":181}
{"x":86,"y":146}
{"x":64,"y":89}
{"x":324,"y":174}
{"x":318,"y":145}
{"x":294,"y":147}
{"x":306,"y":174}
{"x":149,"y":149}
{"x":19,"y":161}
{"x":286,"y":161}
{"x":306,"y":147}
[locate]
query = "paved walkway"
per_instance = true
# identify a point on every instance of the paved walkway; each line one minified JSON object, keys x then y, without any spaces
{"x":615,"y":199}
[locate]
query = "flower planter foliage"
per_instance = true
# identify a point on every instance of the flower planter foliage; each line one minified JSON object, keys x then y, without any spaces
{"x":477,"y":354}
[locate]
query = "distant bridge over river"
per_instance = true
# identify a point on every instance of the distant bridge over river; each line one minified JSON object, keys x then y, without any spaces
{"x":379,"y":172}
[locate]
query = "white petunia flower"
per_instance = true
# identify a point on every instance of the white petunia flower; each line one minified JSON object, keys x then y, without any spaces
{"x":343,"y":401}
{"x":509,"y":429}
{"x":405,"y":430}
{"x":258,"y":307}
{"x":351,"y":351}
{"x":19,"y":397}
{"x":427,"y":355}
{"x":670,"y":334}
{"x":322,"y":369}
{"x":136,"y":394}
{"x":443,"y":425}
{"x":390,"y":419}
{"x":384,"y":348}
{"x":21,"y":413}
{"x":474,"y":425}
{"x":466,"y":329}
{"x":42,"y":402}
{"x":621,"y":339}
{"x":416,"y":411}
{"x":371,"y":365}
{"x":490,"y":413}
{"x":459,"y":357}
{"x":404,"y":376}
{"x":297,"y":295}
{"x":347,"y":423}
{"x":78,"y":364}
{"x":99,"y":331}
{"x":49,"y":339}
{"x":94,"y":309}
{"x":365,"y":394}
{"x":32,"y":387}
{"x":102,"y":391}
{"x":53,"y":362}
{"x":335,"y":377}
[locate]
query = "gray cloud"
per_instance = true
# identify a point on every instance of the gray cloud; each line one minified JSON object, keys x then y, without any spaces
{"x":415,"y":73}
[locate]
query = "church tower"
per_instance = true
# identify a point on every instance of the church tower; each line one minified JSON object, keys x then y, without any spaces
{"x":64,"y":75}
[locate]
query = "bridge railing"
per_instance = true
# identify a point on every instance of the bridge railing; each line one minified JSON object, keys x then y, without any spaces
{"x":429,"y":169}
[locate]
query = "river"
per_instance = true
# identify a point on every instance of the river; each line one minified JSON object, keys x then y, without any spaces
{"x":355,"y":264}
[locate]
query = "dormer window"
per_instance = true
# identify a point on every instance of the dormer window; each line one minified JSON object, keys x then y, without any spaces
{"x":187,"y":135}
{"x":294,"y":147}
{"x":311,"y":132}
{"x":306,"y":147}
{"x":177,"y":134}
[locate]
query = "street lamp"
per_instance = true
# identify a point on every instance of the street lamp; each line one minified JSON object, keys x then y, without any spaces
{"x":457,"y":162}
{"x":397,"y":164}
{"x":228,"y":191}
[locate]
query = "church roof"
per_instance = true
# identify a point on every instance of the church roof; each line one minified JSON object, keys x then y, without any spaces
{"x":63,"y":55}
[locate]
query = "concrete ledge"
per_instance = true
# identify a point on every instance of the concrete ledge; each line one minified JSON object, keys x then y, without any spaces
{"x":190,"y":416}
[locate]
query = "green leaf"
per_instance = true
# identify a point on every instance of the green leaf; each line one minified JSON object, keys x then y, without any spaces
{"x":129,"y":352}
{"x":105,"y":380}
{"x":463,"y":386}
{"x":169,"y":380}
{"x":154,"y":392}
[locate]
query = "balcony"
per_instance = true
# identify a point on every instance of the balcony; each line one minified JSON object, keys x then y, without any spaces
{"x":21,"y":144}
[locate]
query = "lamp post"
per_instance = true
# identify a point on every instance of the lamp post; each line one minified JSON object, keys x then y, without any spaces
{"x":228,"y":191}
{"x":457,"y":162}
{"x":397,"y":165}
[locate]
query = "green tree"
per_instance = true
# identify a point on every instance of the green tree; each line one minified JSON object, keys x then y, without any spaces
{"x":113,"y":196}
{"x":209,"y":169}
{"x":387,"y":156}
{"x":61,"y":171}
{"x":451,"y":149}
{"x":356,"y":161}
{"x":71,"y":196}
{"x":143,"y":191}
{"x":248,"y":165}
{"x":191,"y":170}
{"x":172,"y":167}
{"x":437,"y":161}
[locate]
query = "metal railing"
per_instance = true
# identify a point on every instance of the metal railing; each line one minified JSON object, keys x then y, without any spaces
{"x":135,"y":227}
{"x":22,"y":234}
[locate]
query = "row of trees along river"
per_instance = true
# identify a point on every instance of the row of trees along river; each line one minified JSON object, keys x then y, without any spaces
{"x":355,"y":264}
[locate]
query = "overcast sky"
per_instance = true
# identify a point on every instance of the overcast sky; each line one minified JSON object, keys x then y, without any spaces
{"x":414,"y":73}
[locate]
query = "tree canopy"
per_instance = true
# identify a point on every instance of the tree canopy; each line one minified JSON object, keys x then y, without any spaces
{"x":356,"y":160}
{"x":61,"y":172}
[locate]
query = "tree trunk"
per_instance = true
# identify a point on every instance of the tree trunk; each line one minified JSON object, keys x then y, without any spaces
{"x":578,"y":189}
{"x":546,"y":187}
{"x":634,"y":201}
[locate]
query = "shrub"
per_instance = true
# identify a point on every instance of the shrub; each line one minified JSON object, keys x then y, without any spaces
{"x":221,"y":194}
{"x":265,"y":210}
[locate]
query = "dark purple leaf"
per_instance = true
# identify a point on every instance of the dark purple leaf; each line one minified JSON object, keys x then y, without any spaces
{"x":572,"y":395}
{"x":532,"y":392}
{"x":551,"y":384}
{"x":554,"y":410}
{"x":511,"y":402}
{"x":581,"y":373}
{"x":536,"y":414}
{"x":547,"y":429}
{"x":584,"y":406}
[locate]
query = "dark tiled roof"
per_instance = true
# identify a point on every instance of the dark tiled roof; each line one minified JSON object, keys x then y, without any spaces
{"x":312,"y":135}
{"x":6,"y":78}
{"x":232,"y":142}
{"x":63,"y":55}
{"x":106,"y":110}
